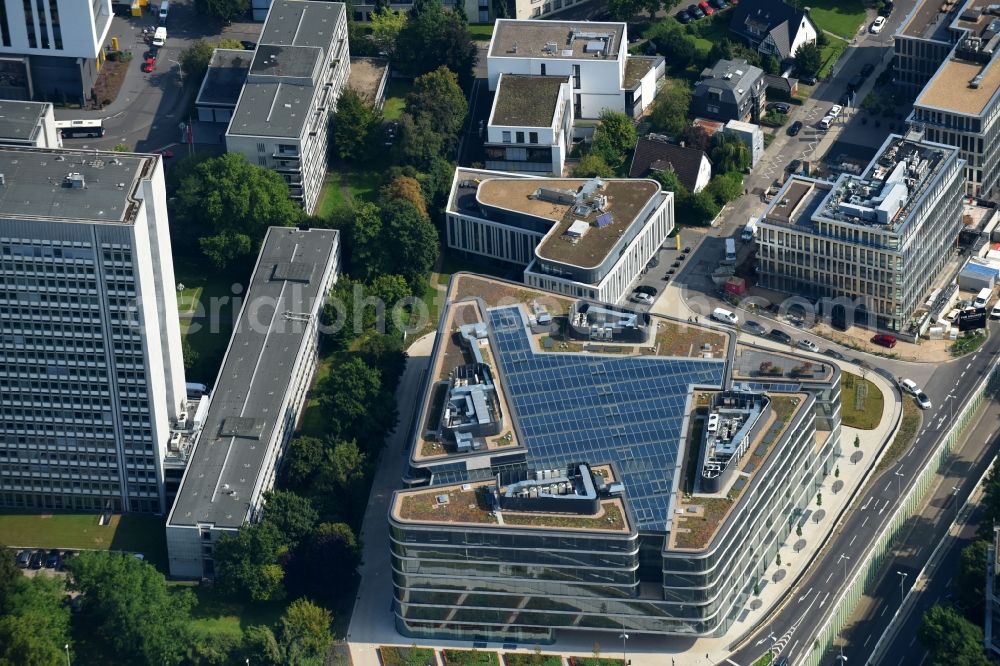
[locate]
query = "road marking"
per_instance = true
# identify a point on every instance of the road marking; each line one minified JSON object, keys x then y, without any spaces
{"x":917,"y":551}
{"x":805,"y":594}
{"x":887,"y":487}
{"x":884,"y":507}
{"x":865,"y":521}
{"x":962,"y":375}
{"x":968,"y":366}
{"x":824,"y":599}
{"x":870,"y":498}
{"x":884,"y":607}
{"x":827,"y":580}
{"x":910,"y":453}
{"x":852,"y":540}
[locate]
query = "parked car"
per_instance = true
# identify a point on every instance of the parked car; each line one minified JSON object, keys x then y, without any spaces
{"x":922,"y":400}
{"x":867,"y":70}
{"x":877,"y":25}
{"x":646,"y":289}
{"x":795,"y":166}
{"x":780,"y":336}
{"x":779,"y":107}
{"x":249,"y":46}
{"x":719,"y":4}
{"x":725,"y":316}
{"x":909,"y":386}
{"x":884,"y":340}
{"x":639,"y":297}
{"x":808,"y":345}
{"x":995,"y":312}
{"x":695,"y":12}
{"x":855,"y":83}
{"x":705,"y":7}
{"x":148,"y":64}
{"x":808,"y":80}
{"x":23,"y":558}
{"x":683,"y":16}
{"x":835,"y":110}
{"x":794,"y":128}
{"x":37,"y":559}
{"x":754,"y":328}
{"x":886,"y":10}
{"x":833,"y":353}
{"x":52,"y":560}
{"x":686,"y":250}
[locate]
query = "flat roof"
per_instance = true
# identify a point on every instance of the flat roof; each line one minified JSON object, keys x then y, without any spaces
{"x":626,"y":199}
{"x":556,"y":39}
{"x":227,"y":72}
{"x":797,"y":201}
{"x":37,"y":184}
{"x":227,"y":460}
{"x":637,"y":67}
{"x":527,"y":101}
{"x":301,"y":23}
{"x":927,"y":21}
{"x":949,"y":88}
{"x":19,"y":120}
{"x":291,"y":62}
{"x":272,"y":109}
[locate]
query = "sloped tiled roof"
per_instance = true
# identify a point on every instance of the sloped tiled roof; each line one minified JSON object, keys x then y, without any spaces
{"x":658,"y":155}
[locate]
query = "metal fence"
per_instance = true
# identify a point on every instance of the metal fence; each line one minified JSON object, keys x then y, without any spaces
{"x":867,"y":573}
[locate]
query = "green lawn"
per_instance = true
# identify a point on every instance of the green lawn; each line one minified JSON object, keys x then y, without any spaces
{"x":764,"y":660}
{"x":830,"y":55}
{"x":406,"y":656}
{"x":909,"y":425}
{"x":869,"y":416}
{"x":132,"y":532}
{"x":470,"y":658}
{"x":715,"y":31}
{"x":214,"y":614}
{"x":396,"y":98}
{"x":532,"y":659}
{"x":330,"y":197}
{"x":841,"y":17}
{"x":311,"y":423}
{"x":482,"y":32}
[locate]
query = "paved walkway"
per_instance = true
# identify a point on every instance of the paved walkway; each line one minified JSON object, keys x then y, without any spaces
{"x":372,"y":621}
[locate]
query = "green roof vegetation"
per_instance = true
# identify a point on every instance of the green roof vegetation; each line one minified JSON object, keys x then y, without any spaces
{"x":527,"y":101}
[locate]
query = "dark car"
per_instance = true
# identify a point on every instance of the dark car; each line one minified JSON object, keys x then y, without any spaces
{"x":249,"y":46}
{"x":683,"y":16}
{"x":754,"y":328}
{"x":680,"y":257}
{"x":795,"y":166}
{"x":779,"y":107}
{"x":646,"y":289}
{"x":886,"y":9}
{"x":833,"y":353}
{"x":780,"y":336}
{"x":808,"y":80}
{"x":718,"y":4}
{"x":884,"y":340}
{"x":53,"y":560}
{"x":794,"y":128}
{"x":37,"y":559}
{"x":855,"y":83}
{"x":686,"y":250}
{"x":23,"y":558}
{"x":867,"y":70}
{"x":695,"y":12}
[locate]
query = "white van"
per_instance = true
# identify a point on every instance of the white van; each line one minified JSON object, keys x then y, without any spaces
{"x":826,"y":122}
{"x":164,"y":10}
{"x":982,"y":298}
{"x":724,"y":316}
{"x":160,"y":37}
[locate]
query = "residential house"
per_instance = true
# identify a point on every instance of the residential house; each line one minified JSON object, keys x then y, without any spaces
{"x":772,"y":27}
{"x":731,"y":90}
{"x":655,"y":153}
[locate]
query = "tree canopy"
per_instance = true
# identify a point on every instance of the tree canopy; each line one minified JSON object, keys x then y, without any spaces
{"x":971,"y":579}
{"x":34,"y":622}
{"x":434,"y":37}
{"x":229,"y":203}
{"x":386,"y":24}
{"x":592,"y":165}
{"x":951,"y":639}
{"x":136,"y":618}
{"x":614,"y":138}
{"x":352,"y":126}
{"x":729,"y":153}
{"x":293,"y":515}
{"x":305,"y":633}
{"x":670,"y":108}
{"x":246,"y":564}
{"x":224,"y":10}
{"x":808,"y":59}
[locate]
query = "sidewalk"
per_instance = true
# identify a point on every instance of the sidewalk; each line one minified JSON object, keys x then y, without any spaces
{"x":372,"y":622}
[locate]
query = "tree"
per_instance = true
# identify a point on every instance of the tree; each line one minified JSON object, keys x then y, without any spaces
{"x":592,"y":165}
{"x":676,"y":45}
{"x":189,"y":354}
{"x":729,"y":153}
{"x":971,"y":579}
{"x":725,"y":187}
{"x":361,"y":224}
{"x":246,"y":564}
{"x":808,"y":60}
{"x":990,"y":503}
{"x":302,"y":461}
{"x":623,"y":10}
{"x":438,"y":96}
{"x":326,"y":564}
{"x":292,"y":514}
{"x":35,"y":622}
{"x":771,"y":65}
{"x":670,"y":108}
{"x":433,"y":38}
{"x":410,"y":242}
{"x":132,"y":613}
{"x":721,"y":50}
{"x":213,"y":649}
{"x":10,"y":574}
{"x":703,"y":208}
{"x":260,"y":646}
{"x":224,"y":10}
{"x":405,"y":188}
{"x":614,"y":138}
{"x":352,"y":126}
{"x":229,"y":203}
{"x":195,"y":58}
{"x":386,"y":25}
{"x":305,"y":633}
{"x":950,"y":638}
{"x":419,"y":142}
{"x":346,"y":397}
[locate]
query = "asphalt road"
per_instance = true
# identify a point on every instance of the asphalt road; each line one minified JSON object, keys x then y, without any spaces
{"x":796,"y":624}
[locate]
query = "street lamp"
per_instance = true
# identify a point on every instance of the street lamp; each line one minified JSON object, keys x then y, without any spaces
{"x":66,"y":647}
{"x":902,"y":577}
{"x":845,"y":558}
{"x":899,"y":481}
{"x":624,"y":638}
{"x":954,"y":494}
{"x":841,"y":658}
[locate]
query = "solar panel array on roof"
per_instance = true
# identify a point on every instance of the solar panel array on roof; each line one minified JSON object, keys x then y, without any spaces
{"x":595,"y":408}
{"x":603,"y":220}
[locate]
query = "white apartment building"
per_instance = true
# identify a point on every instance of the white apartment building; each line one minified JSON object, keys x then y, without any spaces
{"x":91,"y":370}
{"x":593,"y":55}
{"x":257,"y":398}
{"x":299,"y":68}
{"x":531,"y":124}
{"x":52,"y":49}
{"x":28,"y":124}
{"x":584,"y":238}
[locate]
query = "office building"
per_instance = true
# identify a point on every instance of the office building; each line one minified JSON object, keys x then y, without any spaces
{"x":52,"y":50}
{"x":594,"y":56}
{"x":585,"y":238}
{"x":945,"y":51}
{"x":530,"y":128}
{"x":879,"y":239}
{"x":731,"y":90}
{"x":299,"y":68}
{"x":222,"y":85}
{"x":28,"y":124}
{"x":91,"y":370}
{"x":257,"y":398}
{"x":571,"y":503}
